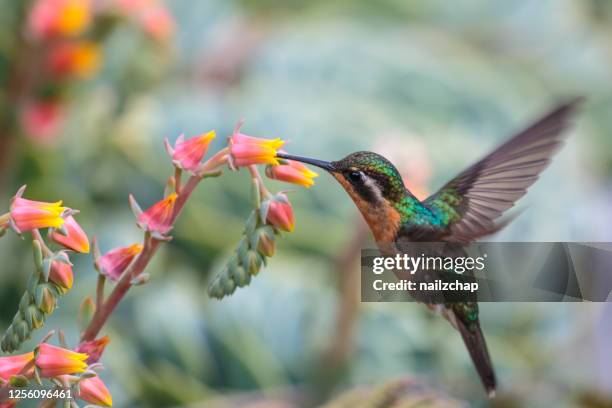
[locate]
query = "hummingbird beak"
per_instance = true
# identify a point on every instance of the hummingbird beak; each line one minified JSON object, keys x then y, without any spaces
{"x":314,"y":162}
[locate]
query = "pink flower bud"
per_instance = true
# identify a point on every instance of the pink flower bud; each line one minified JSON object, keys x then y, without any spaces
{"x":75,"y":239}
{"x":280,"y":213}
{"x":247,"y":150}
{"x":58,"y":18}
{"x":22,"y":364}
{"x":42,"y":120}
{"x":28,"y":215}
{"x":53,"y":361}
{"x":61,"y":275}
{"x":115,"y":262}
{"x":94,"y":391}
{"x":93,"y":348}
{"x":293,"y":172}
{"x":74,"y":59}
{"x":159,"y":217}
{"x":188,"y":154}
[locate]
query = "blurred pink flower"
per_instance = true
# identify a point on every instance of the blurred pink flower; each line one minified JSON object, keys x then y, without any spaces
{"x":53,"y":361}
{"x":22,"y":364}
{"x":94,"y":391}
{"x":93,"y":348}
{"x":158,"y":218}
{"x":75,"y":239}
{"x":61,"y":275}
{"x":42,"y":120}
{"x":74,"y":59}
{"x":280,"y":213}
{"x":188,"y":153}
{"x":59,"y":18}
{"x":157,"y":22}
{"x":114,"y":263}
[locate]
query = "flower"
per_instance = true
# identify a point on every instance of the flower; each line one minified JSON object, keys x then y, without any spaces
{"x":94,"y":391}
{"x":28,"y":215}
{"x":53,"y":361}
{"x":114,"y":262}
{"x":59,"y":18}
{"x":75,"y":239}
{"x":93,"y":349}
{"x":280,"y":213}
{"x":42,"y":120}
{"x":61,"y":275}
{"x":79,"y":59}
{"x":292,"y":172}
{"x":187,"y":154}
{"x":157,"y":22}
{"x":158,"y":218}
{"x":246,"y":150}
{"x":22,"y":364}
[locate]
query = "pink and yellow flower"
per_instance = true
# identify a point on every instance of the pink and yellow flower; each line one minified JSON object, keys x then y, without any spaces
{"x":93,"y":349}
{"x":75,"y":237}
{"x":59,"y":18}
{"x":28,"y":215}
{"x":94,"y":391}
{"x":280,"y":213}
{"x":22,"y":364}
{"x":159,"y":217}
{"x":293,"y":172}
{"x":53,"y":361}
{"x":61,"y":275}
{"x":187,"y":154}
{"x":247,"y":150}
{"x":74,"y":59}
{"x":115,"y":262}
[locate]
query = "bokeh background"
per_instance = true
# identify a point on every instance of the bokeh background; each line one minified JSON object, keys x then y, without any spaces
{"x":433,"y":84}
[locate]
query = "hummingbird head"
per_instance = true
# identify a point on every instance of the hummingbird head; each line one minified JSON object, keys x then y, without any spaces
{"x":372,"y":182}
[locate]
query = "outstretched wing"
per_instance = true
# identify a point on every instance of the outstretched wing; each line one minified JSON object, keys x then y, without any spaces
{"x":481,"y":193}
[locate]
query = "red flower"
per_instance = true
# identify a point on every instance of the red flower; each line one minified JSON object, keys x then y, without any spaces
{"x":94,"y":391}
{"x":22,"y":364}
{"x":247,"y":150}
{"x":292,"y":172}
{"x":159,"y":217}
{"x":93,"y":348}
{"x":75,"y":239}
{"x":115,"y":262}
{"x":188,"y":153}
{"x":53,"y":361}
{"x":28,"y":215}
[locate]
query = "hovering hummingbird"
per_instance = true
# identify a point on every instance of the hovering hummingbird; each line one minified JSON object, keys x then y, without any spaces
{"x":462,"y":211}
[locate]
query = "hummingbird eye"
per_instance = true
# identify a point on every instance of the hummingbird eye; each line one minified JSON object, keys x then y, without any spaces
{"x":355,"y":176}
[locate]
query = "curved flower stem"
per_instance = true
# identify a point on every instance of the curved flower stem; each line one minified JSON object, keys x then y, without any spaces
{"x":263,"y":191}
{"x":150,"y":247}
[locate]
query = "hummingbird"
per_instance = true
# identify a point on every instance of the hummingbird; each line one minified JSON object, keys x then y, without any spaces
{"x":465,"y":209}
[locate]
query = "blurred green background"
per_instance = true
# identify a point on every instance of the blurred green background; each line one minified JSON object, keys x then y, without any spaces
{"x":433,"y":84}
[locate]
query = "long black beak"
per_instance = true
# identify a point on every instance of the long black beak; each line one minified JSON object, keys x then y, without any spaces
{"x":319,"y":163}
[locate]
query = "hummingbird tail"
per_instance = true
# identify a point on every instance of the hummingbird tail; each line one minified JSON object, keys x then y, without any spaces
{"x":477,"y":347}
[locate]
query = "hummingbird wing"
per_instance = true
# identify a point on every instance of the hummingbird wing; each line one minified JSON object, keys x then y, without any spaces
{"x":480,"y":194}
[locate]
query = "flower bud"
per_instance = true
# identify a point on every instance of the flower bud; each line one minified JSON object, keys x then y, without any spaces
{"x":265,"y":241}
{"x":61,"y":275}
{"x":115,"y":262}
{"x":46,"y":300}
{"x":293,"y":172}
{"x":280,"y":213}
